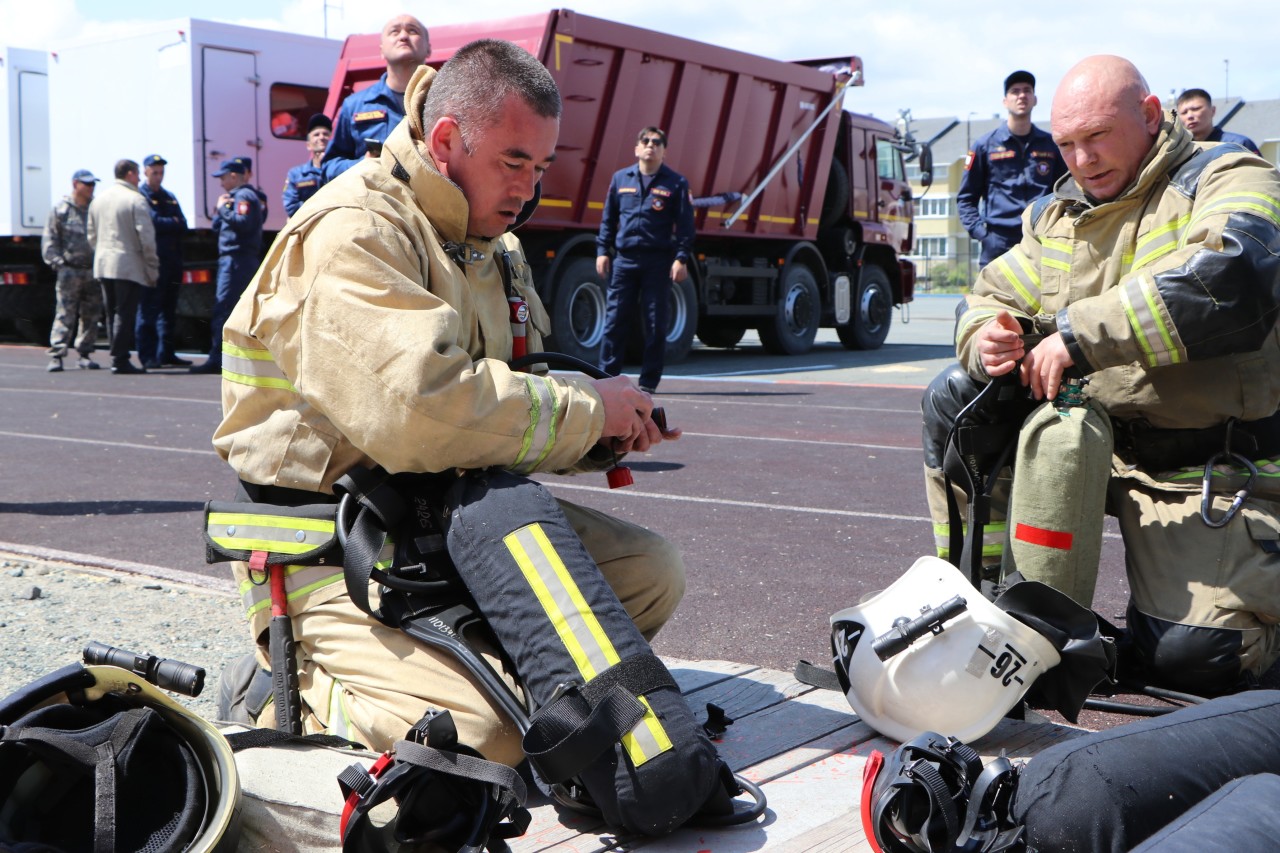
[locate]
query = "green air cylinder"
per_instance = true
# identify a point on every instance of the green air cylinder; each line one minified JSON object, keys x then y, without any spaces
{"x":1059,"y":491}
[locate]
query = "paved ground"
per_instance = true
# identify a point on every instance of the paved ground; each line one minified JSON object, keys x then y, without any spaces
{"x":794,"y":492}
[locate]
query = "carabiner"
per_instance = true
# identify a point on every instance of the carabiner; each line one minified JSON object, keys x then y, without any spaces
{"x":1206,"y":496}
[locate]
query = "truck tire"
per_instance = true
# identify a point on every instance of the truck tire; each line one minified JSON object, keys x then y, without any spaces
{"x":835,"y":203}
{"x":795,"y":322}
{"x":872,"y":312}
{"x":682,"y":320}
{"x":719,"y":333}
{"x":577,"y":311}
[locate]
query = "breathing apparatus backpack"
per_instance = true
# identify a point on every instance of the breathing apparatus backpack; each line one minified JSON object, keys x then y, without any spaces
{"x":97,"y":758}
{"x":493,"y":555}
{"x":1104,"y":792}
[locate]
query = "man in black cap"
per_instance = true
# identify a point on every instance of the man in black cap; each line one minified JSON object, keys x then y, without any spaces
{"x":1006,"y":170}
{"x":247,"y":162}
{"x":159,"y":305}
{"x":238,"y":223}
{"x":303,"y":180}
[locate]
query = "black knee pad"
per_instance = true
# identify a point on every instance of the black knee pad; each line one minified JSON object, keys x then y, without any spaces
{"x":948,"y":393}
{"x":1190,"y":658}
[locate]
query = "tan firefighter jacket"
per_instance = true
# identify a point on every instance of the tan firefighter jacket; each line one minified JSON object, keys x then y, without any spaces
{"x":361,"y":340}
{"x":1166,"y":296}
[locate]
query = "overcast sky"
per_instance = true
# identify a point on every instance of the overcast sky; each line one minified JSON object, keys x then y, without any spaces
{"x":935,"y":57}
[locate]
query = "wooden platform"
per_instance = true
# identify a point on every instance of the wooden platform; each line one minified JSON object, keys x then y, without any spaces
{"x":803,"y":746}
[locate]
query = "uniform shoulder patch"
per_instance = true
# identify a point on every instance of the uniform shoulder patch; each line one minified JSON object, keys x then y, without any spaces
{"x":968,"y":161}
{"x":242,"y":209}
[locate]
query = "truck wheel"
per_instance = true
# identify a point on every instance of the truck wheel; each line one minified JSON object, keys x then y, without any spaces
{"x":872,"y":312}
{"x":577,"y":312}
{"x":795,"y":323}
{"x":718,"y":333}
{"x":682,"y":320}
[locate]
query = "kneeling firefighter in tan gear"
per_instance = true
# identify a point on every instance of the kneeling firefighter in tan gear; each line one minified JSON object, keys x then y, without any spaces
{"x":1151,"y":272}
{"x":377,"y":333}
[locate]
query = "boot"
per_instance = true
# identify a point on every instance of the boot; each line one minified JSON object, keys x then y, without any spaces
{"x":55,"y":364}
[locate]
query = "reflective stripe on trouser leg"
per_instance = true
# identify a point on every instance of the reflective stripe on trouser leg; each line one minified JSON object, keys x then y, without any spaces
{"x":993,"y":534}
{"x":578,"y":628}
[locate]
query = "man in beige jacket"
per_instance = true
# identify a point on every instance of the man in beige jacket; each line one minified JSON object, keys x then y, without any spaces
{"x":377,"y":331}
{"x":124,"y":257}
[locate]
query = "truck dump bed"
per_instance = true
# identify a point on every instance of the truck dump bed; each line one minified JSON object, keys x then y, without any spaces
{"x":730,"y":115}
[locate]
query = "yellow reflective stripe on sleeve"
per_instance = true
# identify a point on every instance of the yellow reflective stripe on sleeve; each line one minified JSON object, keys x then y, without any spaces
{"x":254,"y":367}
{"x":1055,"y":254}
{"x":578,"y":628}
{"x":1159,"y":242}
{"x":993,"y":536}
{"x":544,"y":415}
{"x":1256,"y":203}
{"x":1023,"y":277}
{"x":1141,"y":305}
{"x":970,"y":319}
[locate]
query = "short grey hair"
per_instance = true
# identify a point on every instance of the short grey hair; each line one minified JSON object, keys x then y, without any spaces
{"x":473,"y":85}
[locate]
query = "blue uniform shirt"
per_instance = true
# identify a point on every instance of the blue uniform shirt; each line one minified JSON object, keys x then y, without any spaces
{"x":166,"y":215}
{"x":1220,"y":135}
{"x":1007,"y":173}
{"x":371,"y":113}
{"x":239,"y":223}
{"x":657,"y":215}
{"x":301,"y":184}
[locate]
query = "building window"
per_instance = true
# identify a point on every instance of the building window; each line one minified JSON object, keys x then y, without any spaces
{"x":931,"y":247}
{"x":292,"y":106}
{"x":939,"y":172}
{"x":929,"y":207}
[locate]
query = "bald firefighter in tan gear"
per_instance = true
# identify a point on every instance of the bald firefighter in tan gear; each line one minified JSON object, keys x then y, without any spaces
{"x":378,"y":332}
{"x":1154,"y":272}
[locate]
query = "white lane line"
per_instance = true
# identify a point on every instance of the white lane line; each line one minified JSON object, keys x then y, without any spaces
{"x":807,"y":510}
{"x":109,"y":395}
{"x":678,"y":397}
{"x":802,"y":441}
{"x":102,"y":443}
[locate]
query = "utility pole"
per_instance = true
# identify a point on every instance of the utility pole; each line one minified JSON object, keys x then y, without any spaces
{"x":1226,"y":77}
{"x":325,"y":12}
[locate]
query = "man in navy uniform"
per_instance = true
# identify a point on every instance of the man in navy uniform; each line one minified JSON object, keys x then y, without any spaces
{"x":1196,"y":111}
{"x":371,"y":114}
{"x":1008,"y":168}
{"x":303,"y":180}
{"x":158,"y":305}
{"x":248,"y":180}
{"x":645,"y":241}
{"x":238,"y":223}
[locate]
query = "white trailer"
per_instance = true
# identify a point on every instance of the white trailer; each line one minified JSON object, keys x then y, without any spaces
{"x":196,"y":92}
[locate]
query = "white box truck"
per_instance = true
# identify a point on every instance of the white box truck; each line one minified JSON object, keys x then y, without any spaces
{"x":197,"y":93}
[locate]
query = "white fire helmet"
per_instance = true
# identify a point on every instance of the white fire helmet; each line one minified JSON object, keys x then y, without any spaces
{"x":948,"y":661}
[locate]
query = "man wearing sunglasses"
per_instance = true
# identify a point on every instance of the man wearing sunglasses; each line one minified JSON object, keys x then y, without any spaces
{"x":644,"y":244}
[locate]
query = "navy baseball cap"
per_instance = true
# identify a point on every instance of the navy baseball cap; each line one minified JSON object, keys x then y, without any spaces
{"x":84,"y":176}
{"x":246,"y":162}
{"x":154,"y":160}
{"x":236,"y":165}
{"x":319,"y":120}
{"x":1019,"y":77}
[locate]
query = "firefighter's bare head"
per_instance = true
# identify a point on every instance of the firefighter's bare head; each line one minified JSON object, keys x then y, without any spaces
{"x":1105,"y":121}
{"x":491,"y":120}
{"x":405,"y":42}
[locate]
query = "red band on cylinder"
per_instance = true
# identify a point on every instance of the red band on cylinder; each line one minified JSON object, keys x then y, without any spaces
{"x":1060,"y":539}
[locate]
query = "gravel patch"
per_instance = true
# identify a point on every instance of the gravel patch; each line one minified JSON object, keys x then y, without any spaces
{"x":50,"y":611}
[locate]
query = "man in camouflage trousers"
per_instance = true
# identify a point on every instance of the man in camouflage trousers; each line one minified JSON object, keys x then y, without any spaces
{"x":65,"y":247}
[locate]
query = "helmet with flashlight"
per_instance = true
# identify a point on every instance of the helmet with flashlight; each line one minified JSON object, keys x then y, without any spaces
{"x":98,"y":758}
{"x":931,"y":654}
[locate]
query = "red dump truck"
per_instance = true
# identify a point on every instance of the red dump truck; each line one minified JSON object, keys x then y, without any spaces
{"x":804,"y":210}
